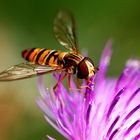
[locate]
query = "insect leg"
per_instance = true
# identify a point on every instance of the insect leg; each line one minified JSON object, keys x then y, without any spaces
{"x":86,"y":86}
{"x":69,"y":83}
{"x":89,"y":82}
{"x":60,"y":79}
{"x":69,"y":78}
{"x":78,"y":82}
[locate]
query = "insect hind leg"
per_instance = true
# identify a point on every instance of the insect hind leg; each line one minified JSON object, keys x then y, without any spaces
{"x":60,"y":79}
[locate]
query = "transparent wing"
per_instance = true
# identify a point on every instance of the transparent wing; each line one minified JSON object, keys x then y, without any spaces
{"x":24,"y":70}
{"x":64,"y":30}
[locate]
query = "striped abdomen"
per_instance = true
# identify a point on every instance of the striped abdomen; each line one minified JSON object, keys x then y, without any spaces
{"x":43,"y":56}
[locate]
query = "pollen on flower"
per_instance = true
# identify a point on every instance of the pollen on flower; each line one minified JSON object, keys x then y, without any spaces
{"x":110,"y":111}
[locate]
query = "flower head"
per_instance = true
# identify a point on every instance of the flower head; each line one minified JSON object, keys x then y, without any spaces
{"x":110,"y":111}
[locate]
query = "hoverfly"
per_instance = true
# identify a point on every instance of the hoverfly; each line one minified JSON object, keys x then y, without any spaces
{"x":41,"y":61}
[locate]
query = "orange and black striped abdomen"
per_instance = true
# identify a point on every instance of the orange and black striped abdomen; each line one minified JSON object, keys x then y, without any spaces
{"x":42,"y":56}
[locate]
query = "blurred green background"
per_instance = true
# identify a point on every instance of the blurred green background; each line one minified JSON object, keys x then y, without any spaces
{"x":27,"y":23}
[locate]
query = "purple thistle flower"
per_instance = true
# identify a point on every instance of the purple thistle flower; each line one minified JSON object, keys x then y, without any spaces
{"x":111,"y":110}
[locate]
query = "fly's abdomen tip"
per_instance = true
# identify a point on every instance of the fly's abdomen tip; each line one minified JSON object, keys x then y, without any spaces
{"x":24,"y":53}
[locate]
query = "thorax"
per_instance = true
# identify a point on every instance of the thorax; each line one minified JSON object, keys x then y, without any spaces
{"x":71,"y":60}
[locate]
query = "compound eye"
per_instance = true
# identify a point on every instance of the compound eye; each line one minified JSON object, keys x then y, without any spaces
{"x":82,"y":70}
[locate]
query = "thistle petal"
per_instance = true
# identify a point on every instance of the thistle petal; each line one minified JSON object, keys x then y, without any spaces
{"x":110,"y":110}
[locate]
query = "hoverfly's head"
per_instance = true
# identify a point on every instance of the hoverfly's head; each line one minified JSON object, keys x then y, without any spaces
{"x":86,"y":68}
